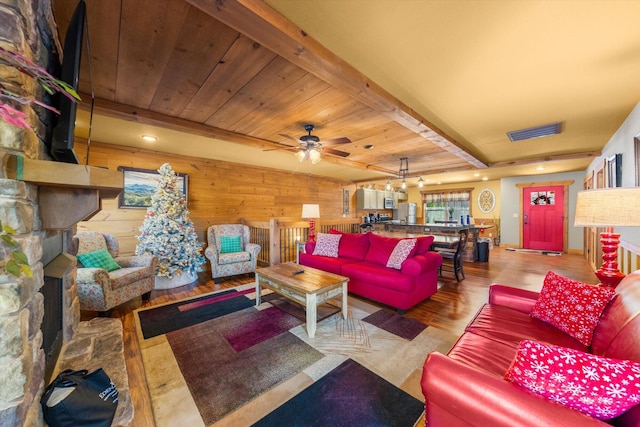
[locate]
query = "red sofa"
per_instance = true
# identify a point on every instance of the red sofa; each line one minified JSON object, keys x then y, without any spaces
{"x":466,"y":387}
{"x":363,"y":257}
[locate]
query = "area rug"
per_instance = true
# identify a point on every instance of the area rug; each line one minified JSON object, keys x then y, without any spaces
{"x":217,"y":360}
{"x":535,"y":251}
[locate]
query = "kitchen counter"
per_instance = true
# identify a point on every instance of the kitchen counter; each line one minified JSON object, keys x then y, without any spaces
{"x":438,"y":227}
{"x":446,"y":229}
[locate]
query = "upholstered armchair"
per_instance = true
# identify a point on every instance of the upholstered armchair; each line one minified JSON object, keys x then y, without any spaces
{"x":230,"y":251}
{"x":100,"y":289}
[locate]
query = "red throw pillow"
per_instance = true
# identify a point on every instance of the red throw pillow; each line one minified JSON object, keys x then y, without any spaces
{"x":573,"y":307}
{"x":424,"y":244}
{"x":381,"y":247}
{"x":353,"y":246}
{"x":597,"y":386}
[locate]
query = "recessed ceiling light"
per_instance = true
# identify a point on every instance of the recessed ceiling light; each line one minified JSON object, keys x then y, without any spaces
{"x":369,"y":146}
{"x":439,"y":182}
{"x":485,"y":179}
{"x":540,"y":168}
{"x":476,"y":174}
{"x":149,"y":138}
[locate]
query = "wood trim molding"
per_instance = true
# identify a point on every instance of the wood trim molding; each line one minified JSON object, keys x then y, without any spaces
{"x":545,"y":184}
{"x":572,"y":156}
{"x":449,"y":190}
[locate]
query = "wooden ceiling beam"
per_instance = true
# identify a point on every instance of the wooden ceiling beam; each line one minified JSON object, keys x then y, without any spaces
{"x":556,"y":157}
{"x":258,"y":21}
{"x":152,"y":118}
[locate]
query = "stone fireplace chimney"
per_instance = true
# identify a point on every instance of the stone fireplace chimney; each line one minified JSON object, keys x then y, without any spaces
{"x":42,"y":201}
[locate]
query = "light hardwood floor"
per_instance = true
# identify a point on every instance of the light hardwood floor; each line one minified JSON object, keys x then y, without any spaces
{"x":451,"y":308}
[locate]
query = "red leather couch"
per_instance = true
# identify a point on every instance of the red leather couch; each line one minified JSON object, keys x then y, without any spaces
{"x":362,"y":258}
{"x":466,"y":387}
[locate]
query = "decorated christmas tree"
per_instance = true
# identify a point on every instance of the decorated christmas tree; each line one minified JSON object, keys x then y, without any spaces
{"x":168,"y":233}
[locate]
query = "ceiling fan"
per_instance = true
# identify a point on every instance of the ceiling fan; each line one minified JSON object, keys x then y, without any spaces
{"x":311,"y":147}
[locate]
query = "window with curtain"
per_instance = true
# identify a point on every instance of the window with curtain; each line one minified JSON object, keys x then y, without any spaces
{"x":446,"y":206}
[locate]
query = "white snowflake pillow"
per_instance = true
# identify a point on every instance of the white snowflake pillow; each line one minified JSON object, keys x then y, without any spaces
{"x":600,"y":387}
{"x":327,"y":245}
{"x":573,"y":307}
{"x":401,"y":252}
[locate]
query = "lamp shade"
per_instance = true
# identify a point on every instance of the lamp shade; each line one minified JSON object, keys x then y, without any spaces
{"x":310,"y":211}
{"x":300,"y":155}
{"x":314,"y":156}
{"x":608,"y":207}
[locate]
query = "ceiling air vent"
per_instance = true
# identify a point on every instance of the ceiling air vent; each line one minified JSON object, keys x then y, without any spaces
{"x":536,"y":132}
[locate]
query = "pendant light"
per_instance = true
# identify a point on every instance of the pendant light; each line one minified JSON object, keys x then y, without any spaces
{"x":404,"y":170}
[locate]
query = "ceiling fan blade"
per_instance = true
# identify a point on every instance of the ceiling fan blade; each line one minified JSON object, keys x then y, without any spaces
{"x":335,"y":152}
{"x":289,"y":137}
{"x":334,"y":141}
{"x":282,"y":147}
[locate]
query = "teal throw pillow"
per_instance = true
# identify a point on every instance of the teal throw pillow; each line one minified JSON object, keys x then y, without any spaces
{"x":229,"y":244}
{"x":98,"y":259}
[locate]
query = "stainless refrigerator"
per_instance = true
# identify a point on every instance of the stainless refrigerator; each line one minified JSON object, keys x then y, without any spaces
{"x":406,"y":213}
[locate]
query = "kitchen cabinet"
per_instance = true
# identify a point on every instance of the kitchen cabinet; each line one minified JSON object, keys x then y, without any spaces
{"x":366,"y":199}
{"x":374,"y":199}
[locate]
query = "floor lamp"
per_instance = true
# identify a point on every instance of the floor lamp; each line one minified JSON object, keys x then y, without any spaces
{"x":608,"y":208}
{"x":311,"y":212}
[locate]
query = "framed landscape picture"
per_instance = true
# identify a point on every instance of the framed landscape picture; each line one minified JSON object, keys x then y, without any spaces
{"x":141,"y":184}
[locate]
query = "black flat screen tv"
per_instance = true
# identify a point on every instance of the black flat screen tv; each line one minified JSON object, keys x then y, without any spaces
{"x":61,"y":146}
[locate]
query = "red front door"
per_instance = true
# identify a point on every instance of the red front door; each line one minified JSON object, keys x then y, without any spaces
{"x":543,"y":218}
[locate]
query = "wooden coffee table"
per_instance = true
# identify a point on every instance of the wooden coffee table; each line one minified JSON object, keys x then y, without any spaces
{"x":311,"y":288}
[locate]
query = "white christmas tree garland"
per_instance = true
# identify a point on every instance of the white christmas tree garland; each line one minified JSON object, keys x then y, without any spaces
{"x":167,"y":230}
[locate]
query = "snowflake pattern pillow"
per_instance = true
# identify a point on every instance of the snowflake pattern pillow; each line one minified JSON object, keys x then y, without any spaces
{"x":401,"y":253}
{"x":327,"y":245}
{"x":573,"y":307}
{"x":600,"y":387}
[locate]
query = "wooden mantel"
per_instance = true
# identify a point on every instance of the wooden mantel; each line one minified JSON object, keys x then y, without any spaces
{"x":68,"y":193}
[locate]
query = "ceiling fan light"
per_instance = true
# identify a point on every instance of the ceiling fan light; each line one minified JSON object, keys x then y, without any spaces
{"x":300,"y":155}
{"x":314,"y":155}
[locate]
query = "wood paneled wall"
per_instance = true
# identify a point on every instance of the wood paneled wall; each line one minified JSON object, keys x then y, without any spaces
{"x":219,"y":192}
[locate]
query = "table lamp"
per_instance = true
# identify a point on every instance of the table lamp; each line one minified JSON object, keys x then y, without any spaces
{"x":608,"y":208}
{"x":311,"y":212}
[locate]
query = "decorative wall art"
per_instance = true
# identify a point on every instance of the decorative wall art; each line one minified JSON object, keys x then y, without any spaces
{"x":486,"y":200}
{"x":345,"y":202}
{"x":636,"y":154}
{"x":141,"y":184}
{"x":614,"y":170}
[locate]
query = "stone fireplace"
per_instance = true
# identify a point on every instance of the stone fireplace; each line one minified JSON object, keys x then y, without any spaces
{"x":42,"y":200}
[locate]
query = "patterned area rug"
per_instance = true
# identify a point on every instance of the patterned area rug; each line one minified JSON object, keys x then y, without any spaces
{"x":217,"y":360}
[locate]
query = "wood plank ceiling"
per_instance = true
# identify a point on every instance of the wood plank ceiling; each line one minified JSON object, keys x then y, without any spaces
{"x":248,"y":80}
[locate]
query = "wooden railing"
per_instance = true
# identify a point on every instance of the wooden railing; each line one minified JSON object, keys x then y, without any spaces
{"x":628,"y":257}
{"x":279,"y":236}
